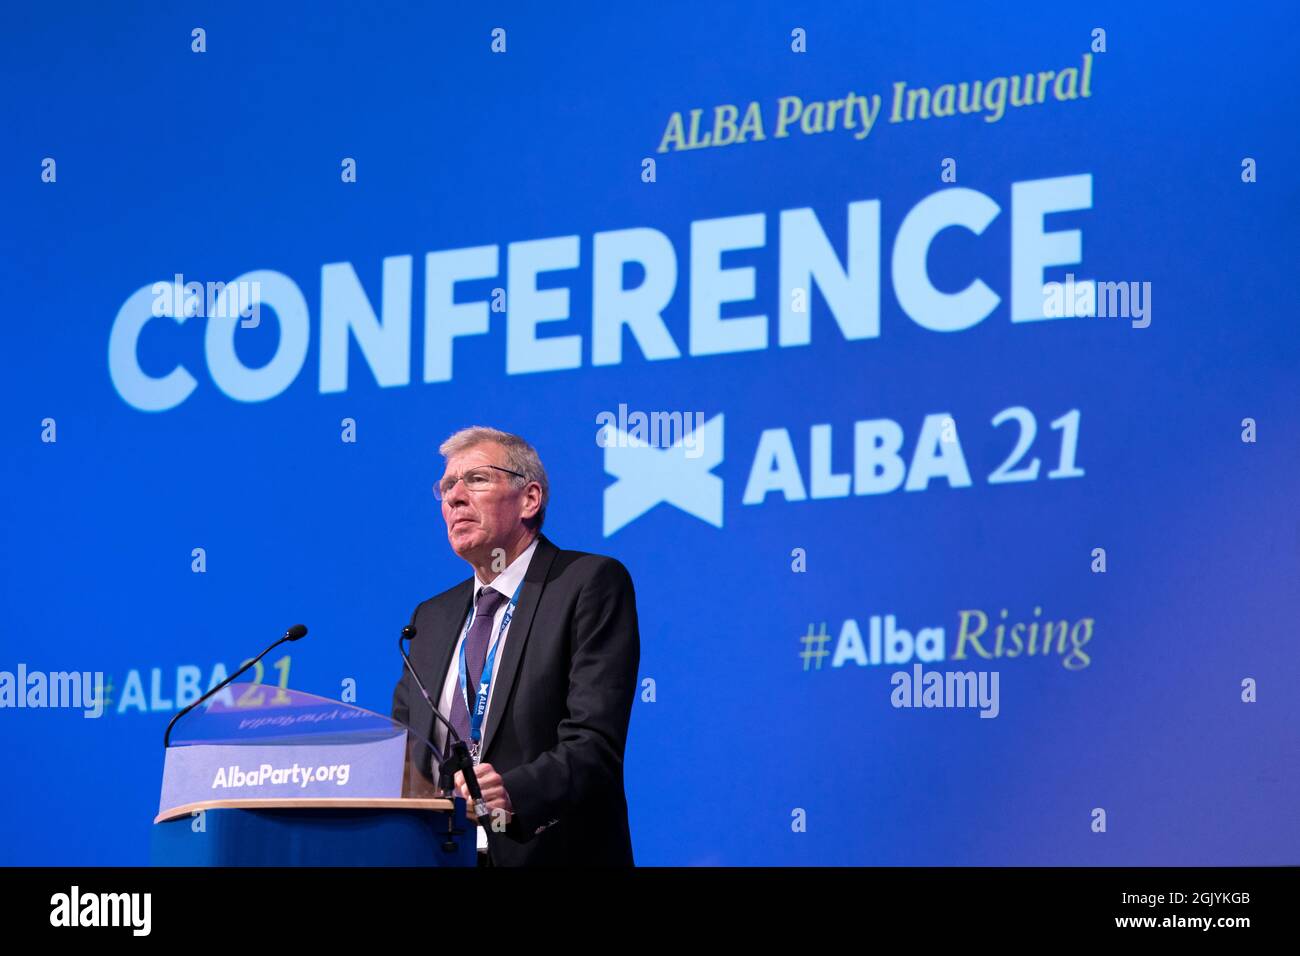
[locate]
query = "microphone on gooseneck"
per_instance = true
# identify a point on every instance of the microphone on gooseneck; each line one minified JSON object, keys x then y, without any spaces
{"x":297,"y":632}
{"x":458,"y":758}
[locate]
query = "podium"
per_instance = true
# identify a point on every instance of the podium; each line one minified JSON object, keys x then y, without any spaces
{"x":266,"y":776}
{"x":305,"y":831}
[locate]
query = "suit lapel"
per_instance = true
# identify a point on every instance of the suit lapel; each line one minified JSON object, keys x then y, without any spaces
{"x":441,"y":648}
{"x":517,"y":635}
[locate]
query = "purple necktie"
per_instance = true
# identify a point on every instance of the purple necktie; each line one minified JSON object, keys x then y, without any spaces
{"x":476,"y":645}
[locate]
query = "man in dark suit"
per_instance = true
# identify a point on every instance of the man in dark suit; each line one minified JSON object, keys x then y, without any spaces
{"x":554,"y":673}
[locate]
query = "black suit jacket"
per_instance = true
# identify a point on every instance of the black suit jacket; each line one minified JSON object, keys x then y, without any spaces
{"x":557,"y":725}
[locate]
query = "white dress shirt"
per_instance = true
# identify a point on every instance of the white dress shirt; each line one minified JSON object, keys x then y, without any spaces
{"x":505,"y":582}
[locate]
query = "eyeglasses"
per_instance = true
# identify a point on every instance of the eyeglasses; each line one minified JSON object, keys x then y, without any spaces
{"x":477,"y":480}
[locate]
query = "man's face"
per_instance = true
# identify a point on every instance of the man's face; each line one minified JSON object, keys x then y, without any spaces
{"x":479,"y":522}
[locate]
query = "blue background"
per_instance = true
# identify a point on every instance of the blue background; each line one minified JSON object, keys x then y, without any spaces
{"x":218,"y":164}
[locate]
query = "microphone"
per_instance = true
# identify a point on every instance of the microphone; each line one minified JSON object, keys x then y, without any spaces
{"x":297,"y":632}
{"x":458,"y":758}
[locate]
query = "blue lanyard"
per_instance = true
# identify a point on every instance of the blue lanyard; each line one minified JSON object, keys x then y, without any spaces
{"x":485,"y":681}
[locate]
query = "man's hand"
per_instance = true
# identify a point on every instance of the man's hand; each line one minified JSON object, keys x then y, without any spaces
{"x":493,"y":787}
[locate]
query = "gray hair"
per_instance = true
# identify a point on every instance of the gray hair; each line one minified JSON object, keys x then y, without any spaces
{"x":520,"y":457}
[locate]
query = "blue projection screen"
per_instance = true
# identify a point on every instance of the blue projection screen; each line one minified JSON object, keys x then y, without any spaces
{"x":834,"y":323}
